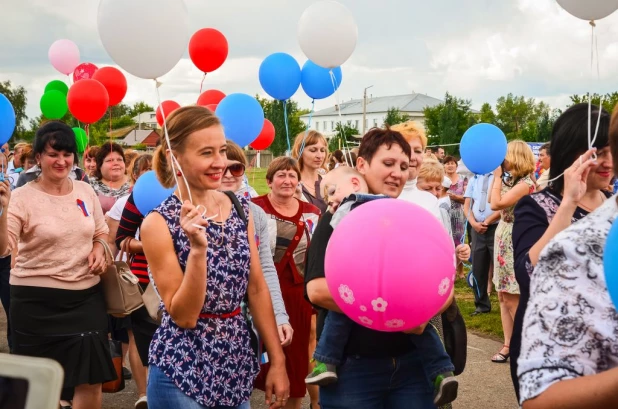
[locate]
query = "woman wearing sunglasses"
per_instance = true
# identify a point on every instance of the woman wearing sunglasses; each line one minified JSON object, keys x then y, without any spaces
{"x":233,"y":180}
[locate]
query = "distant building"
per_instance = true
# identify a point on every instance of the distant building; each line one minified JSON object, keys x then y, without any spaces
{"x":325,"y":120}
{"x":146,"y":120}
{"x":136,"y":136}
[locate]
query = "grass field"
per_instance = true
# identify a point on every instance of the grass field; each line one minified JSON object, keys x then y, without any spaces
{"x":488,"y":324}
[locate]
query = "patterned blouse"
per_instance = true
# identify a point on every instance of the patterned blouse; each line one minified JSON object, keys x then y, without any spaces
{"x":213,"y":363}
{"x":107,"y":195}
{"x":571,"y":325}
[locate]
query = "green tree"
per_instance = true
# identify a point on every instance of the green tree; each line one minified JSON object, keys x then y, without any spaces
{"x":487,"y":115}
{"x":394,"y":116}
{"x":18,"y":98}
{"x":343,"y":138}
{"x":448,"y":121}
{"x":521,"y":118}
{"x":609,"y":100}
{"x":138,"y":108}
{"x":274,"y":112}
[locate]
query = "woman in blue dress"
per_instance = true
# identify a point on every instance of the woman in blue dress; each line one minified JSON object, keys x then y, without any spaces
{"x":203,"y":259}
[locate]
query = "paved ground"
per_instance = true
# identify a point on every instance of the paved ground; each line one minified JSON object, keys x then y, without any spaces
{"x":483,"y":385}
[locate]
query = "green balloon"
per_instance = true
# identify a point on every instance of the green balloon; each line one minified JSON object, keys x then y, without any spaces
{"x":57,"y":85}
{"x":81,"y":138}
{"x":54,"y":105}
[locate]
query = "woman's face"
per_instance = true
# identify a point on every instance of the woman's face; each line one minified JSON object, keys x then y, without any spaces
{"x":113,"y":167}
{"x":387,"y":172}
{"x":55,"y":164}
{"x":204,"y":158}
{"x":450,"y":167}
{"x":416,"y":160}
{"x":314,"y":155}
{"x":90,"y":165}
{"x":601,"y":174}
{"x":229,"y":181}
{"x":435,"y":188}
{"x":284,"y":184}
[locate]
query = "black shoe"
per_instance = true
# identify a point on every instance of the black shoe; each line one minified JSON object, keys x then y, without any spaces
{"x":478,"y":312}
{"x":126,"y":374}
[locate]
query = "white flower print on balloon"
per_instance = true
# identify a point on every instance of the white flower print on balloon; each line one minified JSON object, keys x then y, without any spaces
{"x":365,"y":320}
{"x":379,"y":304}
{"x":395,"y":323}
{"x":444,"y":286}
{"x":363,"y":308}
{"x":346,"y":294}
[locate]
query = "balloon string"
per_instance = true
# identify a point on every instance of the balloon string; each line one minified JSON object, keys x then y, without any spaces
{"x":173,"y":161}
{"x":302,"y":145}
{"x":287,"y":130}
{"x":345,"y":142}
{"x":202,"y":84}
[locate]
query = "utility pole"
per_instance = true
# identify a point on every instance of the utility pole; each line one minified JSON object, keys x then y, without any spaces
{"x":365,"y":109}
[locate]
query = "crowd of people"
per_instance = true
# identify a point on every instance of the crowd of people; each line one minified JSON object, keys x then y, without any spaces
{"x":241,"y":277}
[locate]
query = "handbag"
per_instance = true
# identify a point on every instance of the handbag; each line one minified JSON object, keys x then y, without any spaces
{"x":455,"y":337}
{"x":120,"y":286}
{"x":115,"y":348}
{"x":152,"y":303}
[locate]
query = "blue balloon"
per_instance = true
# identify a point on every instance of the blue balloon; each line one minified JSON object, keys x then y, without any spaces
{"x":280,"y":76}
{"x":148,"y":193}
{"x":242,"y":118}
{"x":610,"y":262}
{"x":7,"y":119}
{"x":317,"y":82}
{"x":483,"y":148}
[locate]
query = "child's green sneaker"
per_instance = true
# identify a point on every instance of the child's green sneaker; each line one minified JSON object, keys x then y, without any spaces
{"x":445,"y":389}
{"x":322,"y":375}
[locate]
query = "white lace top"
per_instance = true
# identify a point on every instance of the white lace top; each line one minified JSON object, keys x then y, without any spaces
{"x":571,"y":326}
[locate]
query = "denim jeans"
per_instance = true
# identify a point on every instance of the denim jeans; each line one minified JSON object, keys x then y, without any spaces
{"x":5,"y":292}
{"x":430,"y":348}
{"x":379,"y":383}
{"x":334,"y":337}
{"x":164,"y":394}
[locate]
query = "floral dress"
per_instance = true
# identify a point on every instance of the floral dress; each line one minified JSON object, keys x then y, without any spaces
{"x":458,"y":220}
{"x":504,"y":269}
{"x":212,"y":363}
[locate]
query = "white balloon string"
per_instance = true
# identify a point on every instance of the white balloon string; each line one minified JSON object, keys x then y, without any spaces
{"x":302,"y":145}
{"x":202,"y":84}
{"x":345,"y":142}
{"x":173,"y":160}
{"x":287,"y":130}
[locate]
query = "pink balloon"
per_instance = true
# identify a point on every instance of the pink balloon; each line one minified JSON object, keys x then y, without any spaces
{"x":84,"y":71}
{"x":64,"y":56}
{"x":390,"y":265}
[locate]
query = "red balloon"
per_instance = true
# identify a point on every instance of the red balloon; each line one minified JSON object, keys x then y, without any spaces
{"x":212,"y":96}
{"x":212,"y":107}
{"x":265,"y":138}
{"x":88,"y":100}
{"x":114,"y":82}
{"x":168,"y":108}
{"x":208,"y":49}
{"x":84,"y":71}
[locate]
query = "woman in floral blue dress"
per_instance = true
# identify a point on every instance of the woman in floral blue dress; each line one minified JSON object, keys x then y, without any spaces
{"x":203,"y":260}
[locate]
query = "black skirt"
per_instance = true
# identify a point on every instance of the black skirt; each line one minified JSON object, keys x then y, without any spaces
{"x":68,"y":326}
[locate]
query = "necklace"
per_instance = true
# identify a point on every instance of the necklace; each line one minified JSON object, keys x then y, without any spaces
{"x":589,"y":209}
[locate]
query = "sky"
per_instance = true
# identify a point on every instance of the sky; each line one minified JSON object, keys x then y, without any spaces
{"x":474,"y":49}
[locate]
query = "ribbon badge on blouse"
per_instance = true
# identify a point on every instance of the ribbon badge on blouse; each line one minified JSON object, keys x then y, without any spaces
{"x":82,"y":206}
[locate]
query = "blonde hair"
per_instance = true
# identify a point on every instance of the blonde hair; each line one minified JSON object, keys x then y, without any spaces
{"x":313,"y":137}
{"x":235,"y":152}
{"x":431,"y":171}
{"x":410,"y":130}
{"x":180,"y":124}
{"x":129,"y":156}
{"x":520,"y":158}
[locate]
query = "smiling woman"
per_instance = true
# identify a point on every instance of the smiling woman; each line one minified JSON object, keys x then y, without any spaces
{"x":110,"y":181}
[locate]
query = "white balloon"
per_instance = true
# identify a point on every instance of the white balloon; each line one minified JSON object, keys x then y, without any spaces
{"x":327,"y":33}
{"x":147,"y":38}
{"x":589,"y":9}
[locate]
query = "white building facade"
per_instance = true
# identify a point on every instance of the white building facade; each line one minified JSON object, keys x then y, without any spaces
{"x":146,"y":120}
{"x":351,"y":112}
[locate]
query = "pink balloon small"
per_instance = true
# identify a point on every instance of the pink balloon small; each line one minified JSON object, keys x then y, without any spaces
{"x":390,"y":265}
{"x":64,"y":56}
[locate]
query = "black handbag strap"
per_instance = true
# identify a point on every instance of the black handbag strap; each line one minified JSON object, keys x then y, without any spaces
{"x":237,"y":205}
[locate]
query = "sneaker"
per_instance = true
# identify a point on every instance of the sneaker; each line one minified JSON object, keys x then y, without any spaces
{"x":445,"y":389}
{"x":322,"y":375}
{"x":141,"y":403}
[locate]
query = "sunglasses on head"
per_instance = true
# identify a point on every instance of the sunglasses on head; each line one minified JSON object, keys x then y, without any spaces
{"x":236,"y":169}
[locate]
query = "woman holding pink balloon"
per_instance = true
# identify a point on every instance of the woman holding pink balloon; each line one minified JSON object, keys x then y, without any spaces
{"x":381,"y":368}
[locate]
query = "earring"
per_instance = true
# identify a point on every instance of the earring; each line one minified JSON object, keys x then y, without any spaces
{"x":179,"y":173}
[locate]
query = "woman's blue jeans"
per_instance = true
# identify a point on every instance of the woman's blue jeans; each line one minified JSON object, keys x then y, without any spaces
{"x":162,"y":393}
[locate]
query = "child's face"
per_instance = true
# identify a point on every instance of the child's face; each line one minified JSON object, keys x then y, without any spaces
{"x":435,"y":188}
{"x":338,"y":188}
